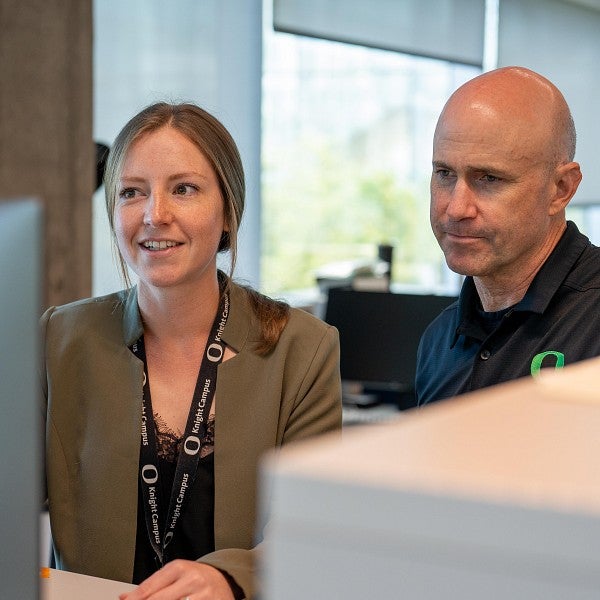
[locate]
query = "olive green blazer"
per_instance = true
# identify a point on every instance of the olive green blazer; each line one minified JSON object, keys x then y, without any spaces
{"x":92,"y":386}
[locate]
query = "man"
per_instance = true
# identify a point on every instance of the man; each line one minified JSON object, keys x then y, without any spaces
{"x":503,"y":173}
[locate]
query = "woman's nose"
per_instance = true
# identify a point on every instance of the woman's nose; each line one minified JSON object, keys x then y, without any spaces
{"x":158,"y":209}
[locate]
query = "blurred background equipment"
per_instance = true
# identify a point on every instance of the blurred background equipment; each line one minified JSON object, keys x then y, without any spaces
{"x":379,"y":337}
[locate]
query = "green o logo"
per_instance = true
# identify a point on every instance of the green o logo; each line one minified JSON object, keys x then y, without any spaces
{"x":538,"y":359}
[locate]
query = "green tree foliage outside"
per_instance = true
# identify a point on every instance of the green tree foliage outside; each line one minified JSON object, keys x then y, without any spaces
{"x":324,"y":207}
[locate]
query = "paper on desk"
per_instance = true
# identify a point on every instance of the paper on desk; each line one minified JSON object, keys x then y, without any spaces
{"x":62,"y":585}
{"x":579,"y":382}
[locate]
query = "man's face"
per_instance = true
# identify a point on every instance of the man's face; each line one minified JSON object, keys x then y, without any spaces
{"x":490,"y":192}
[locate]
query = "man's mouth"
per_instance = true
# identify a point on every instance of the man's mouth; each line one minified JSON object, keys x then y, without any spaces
{"x":463,"y":234}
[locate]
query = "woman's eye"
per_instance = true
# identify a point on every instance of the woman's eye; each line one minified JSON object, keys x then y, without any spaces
{"x":184,"y":189}
{"x":127,"y":193}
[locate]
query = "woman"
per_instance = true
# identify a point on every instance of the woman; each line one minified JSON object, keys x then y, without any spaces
{"x":162,"y":398}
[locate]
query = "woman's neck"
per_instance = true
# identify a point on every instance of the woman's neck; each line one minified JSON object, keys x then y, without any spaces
{"x":179,"y":312}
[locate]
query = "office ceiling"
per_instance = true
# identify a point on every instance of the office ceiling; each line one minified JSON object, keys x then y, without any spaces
{"x":594,"y":4}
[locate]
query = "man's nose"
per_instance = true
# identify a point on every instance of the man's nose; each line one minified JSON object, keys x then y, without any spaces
{"x":462,"y":202}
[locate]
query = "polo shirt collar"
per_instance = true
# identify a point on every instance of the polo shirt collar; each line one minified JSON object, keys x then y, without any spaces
{"x":468,"y":324}
{"x":554,"y":271}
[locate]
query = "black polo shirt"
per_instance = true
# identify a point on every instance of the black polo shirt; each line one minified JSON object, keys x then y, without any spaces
{"x":556,"y":323}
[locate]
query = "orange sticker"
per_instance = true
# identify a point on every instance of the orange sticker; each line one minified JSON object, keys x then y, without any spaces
{"x":45,"y":573}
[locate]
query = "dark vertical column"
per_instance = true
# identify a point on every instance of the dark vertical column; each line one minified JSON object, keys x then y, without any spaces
{"x":46,"y":146}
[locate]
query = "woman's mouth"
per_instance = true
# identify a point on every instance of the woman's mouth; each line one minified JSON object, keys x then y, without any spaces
{"x":159,"y":245}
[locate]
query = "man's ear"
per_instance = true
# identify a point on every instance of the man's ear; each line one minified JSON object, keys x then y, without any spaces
{"x":566,"y":181}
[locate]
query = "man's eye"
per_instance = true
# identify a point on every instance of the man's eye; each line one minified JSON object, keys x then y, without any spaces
{"x":443,"y":172}
{"x":490,"y":178}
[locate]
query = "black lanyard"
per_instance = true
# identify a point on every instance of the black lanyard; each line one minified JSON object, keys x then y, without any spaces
{"x":195,"y":430}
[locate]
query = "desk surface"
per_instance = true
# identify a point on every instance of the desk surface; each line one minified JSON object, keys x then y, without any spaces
{"x":495,"y":494}
{"x":533,"y":442}
{"x":62,"y":585}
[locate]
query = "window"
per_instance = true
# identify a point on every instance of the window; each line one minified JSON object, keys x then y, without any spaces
{"x":346,"y":156}
{"x":587,"y":218}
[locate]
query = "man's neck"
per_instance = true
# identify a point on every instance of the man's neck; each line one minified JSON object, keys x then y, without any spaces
{"x":495,"y":298}
{"x":501,"y":290}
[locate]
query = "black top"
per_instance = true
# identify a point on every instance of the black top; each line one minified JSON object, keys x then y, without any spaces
{"x":194,"y":534}
{"x":556,"y":323}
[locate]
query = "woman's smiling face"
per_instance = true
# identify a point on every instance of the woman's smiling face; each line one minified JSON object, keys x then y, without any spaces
{"x":169,"y":215}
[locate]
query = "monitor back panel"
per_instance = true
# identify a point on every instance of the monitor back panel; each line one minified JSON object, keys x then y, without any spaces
{"x":380,"y":333}
{"x":20,"y":427}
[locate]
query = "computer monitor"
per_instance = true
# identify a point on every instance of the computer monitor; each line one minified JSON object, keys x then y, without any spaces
{"x":20,"y":427}
{"x":380,"y":333}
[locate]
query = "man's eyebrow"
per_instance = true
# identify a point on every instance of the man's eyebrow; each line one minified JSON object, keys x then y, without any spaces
{"x":482,"y":168}
{"x":488,"y":169}
{"x":441,"y":163}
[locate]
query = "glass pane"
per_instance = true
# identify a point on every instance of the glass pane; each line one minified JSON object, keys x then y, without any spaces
{"x":347,"y":133}
{"x":587,"y":219}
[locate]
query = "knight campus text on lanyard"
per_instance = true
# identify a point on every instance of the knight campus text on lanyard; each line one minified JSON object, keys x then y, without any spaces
{"x":195,"y":430}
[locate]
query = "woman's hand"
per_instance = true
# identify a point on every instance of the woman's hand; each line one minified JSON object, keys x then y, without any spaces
{"x":183,"y":579}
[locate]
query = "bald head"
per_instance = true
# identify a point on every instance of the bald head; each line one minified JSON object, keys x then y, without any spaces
{"x":502,"y":161}
{"x":531,"y":110}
